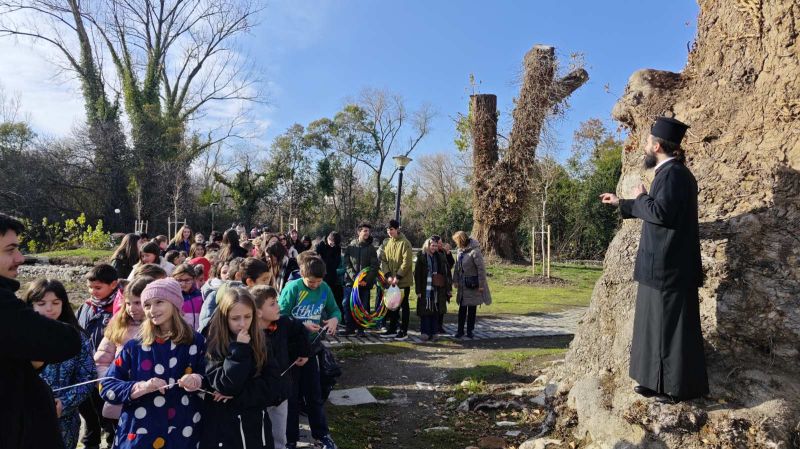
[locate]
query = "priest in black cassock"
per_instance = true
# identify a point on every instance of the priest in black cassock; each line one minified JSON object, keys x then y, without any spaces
{"x":667,"y":358}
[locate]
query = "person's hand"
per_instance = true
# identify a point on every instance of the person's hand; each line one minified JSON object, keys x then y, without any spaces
{"x":190,"y":382}
{"x":480,"y":289}
{"x":219,"y":397}
{"x":312,"y":327}
{"x":243,"y":336}
{"x":301,"y":361}
{"x":59,"y":407}
{"x":639,"y":190}
{"x":36,"y":364}
{"x":362,"y":284}
{"x":331,"y":323}
{"x":609,"y":198}
{"x":156,"y":384}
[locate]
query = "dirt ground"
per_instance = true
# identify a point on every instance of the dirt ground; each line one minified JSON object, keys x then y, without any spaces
{"x":419,"y":388}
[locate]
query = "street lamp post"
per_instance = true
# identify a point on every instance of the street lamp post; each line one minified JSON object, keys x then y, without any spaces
{"x":213,"y":208}
{"x":401,"y":162}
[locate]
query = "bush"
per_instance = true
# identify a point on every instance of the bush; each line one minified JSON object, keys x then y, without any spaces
{"x":71,"y":234}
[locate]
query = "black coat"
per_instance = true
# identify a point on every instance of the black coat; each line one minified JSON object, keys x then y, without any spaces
{"x":244,"y":416}
{"x":27,"y":409}
{"x":332,"y":256}
{"x":360,"y":255}
{"x":123,"y":266}
{"x":289,"y":270}
{"x":669,"y":249}
{"x":667,"y":352}
{"x":287,"y":340}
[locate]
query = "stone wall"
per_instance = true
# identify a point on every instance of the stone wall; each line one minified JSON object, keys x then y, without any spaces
{"x":740,"y":92}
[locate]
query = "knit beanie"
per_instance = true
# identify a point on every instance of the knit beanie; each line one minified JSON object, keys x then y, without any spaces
{"x":166,"y":289}
{"x":204,"y":263}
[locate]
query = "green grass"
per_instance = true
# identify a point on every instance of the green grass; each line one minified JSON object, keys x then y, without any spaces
{"x":500,"y":366}
{"x":527,"y":299}
{"x":353,"y":427}
{"x":92,"y":255}
{"x":381,"y":393}
{"x":511,"y":297}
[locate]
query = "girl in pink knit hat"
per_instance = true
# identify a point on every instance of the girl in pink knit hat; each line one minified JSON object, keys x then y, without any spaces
{"x":156,"y":376}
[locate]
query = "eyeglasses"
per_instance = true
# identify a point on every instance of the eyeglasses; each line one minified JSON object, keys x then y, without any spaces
{"x":435,"y":238}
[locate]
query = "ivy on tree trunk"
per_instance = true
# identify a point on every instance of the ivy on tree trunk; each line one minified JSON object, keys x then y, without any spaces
{"x":502,"y":186}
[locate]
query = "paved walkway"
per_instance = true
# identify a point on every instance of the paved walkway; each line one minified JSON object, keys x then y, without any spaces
{"x":486,"y":328}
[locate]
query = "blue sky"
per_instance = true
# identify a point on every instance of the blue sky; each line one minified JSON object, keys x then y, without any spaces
{"x":315,"y":54}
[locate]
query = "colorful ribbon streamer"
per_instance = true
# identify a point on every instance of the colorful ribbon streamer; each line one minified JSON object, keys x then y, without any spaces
{"x":360,"y":315}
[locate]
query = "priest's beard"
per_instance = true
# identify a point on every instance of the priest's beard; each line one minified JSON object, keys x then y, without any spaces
{"x":650,"y":160}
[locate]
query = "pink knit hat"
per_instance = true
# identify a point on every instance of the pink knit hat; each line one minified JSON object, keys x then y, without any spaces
{"x":167,"y":289}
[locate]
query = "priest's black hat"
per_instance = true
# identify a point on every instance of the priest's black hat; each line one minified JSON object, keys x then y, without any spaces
{"x":669,"y":129}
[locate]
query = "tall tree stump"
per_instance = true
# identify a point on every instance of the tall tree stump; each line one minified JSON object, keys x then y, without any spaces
{"x":502,"y":185}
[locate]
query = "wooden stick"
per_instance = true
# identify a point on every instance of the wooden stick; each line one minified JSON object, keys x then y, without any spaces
{"x":548,"y":251}
{"x":533,"y":250}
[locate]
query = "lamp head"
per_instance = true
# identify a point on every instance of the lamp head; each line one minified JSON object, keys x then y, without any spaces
{"x":402,"y":161}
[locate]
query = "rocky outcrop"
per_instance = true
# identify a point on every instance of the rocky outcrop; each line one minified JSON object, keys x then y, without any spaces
{"x":740,"y":92}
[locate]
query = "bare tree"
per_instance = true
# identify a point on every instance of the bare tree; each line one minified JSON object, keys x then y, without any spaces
{"x":173,"y":59}
{"x":438,"y":178}
{"x":63,"y":26}
{"x":384,"y":118}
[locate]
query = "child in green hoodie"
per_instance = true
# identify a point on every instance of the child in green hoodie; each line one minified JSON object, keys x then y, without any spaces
{"x":311,"y":301}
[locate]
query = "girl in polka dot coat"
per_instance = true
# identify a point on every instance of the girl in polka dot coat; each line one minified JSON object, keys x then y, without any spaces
{"x":157,"y":375}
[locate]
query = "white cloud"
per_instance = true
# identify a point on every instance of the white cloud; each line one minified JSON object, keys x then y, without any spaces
{"x":52,"y":100}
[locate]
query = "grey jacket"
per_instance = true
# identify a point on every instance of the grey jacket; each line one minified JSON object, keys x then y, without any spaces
{"x":469,"y":262}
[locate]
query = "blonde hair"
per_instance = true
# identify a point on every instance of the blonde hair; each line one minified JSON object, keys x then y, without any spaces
{"x":179,"y":235}
{"x":219,"y":334}
{"x":117,"y":328}
{"x":461,"y":238}
{"x":181,"y":333}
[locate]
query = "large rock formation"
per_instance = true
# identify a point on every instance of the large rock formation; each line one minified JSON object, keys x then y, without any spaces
{"x":740,"y":92}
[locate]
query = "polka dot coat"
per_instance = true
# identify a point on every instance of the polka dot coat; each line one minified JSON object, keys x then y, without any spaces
{"x":156,"y":420}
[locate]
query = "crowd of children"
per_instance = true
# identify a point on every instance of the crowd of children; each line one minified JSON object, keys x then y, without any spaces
{"x":188,"y":347}
{"x":218,"y":343}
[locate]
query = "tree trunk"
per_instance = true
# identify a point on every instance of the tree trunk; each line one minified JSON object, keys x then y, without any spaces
{"x":501,"y":188}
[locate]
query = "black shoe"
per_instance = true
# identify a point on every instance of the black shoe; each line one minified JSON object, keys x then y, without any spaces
{"x":388,"y":334}
{"x":361,"y":333}
{"x":402,"y":335}
{"x":644,"y":391}
{"x":458,"y":334}
{"x":441,"y":331}
{"x":469,"y":335}
{"x":347,"y":333}
{"x":291,"y":445}
{"x":327,"y":442}
{"x":666,"y":399}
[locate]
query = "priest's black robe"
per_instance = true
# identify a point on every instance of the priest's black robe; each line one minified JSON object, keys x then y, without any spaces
{"x":667,"y":349}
